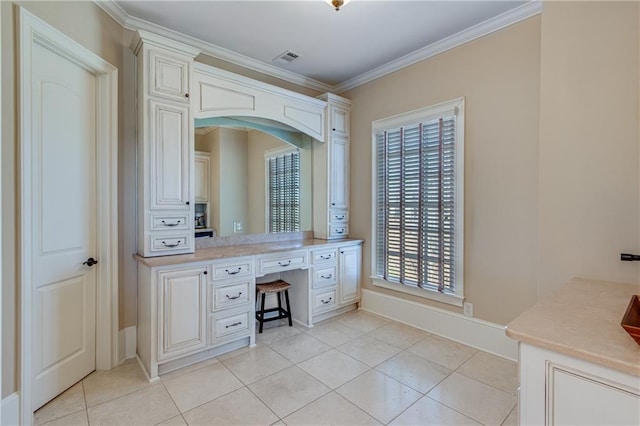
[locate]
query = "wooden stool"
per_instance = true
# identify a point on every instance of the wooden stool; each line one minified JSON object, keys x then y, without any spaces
{"x":277,"y":287}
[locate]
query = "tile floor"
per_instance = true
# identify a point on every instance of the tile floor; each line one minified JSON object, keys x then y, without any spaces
{"x":355,"y":369}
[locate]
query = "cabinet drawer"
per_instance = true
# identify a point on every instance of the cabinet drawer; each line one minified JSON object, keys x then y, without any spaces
{"x":324,"y":300}
{"x":231,"y":295}
{"x":167,"y":222}
{"x":229,"y":325}
{"x":338,"y":230}
{"x":170,"y":242}
{"x":324,"y":256}
{"x":282,"y":262}
{"x":236,"y":269}
{"x":324,"y":277}
{"x":339,"y":217}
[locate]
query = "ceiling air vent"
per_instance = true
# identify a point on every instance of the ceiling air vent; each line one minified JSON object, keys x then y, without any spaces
{"x":286,"y":58}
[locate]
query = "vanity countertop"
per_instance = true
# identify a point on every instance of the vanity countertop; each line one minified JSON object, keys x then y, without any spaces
{"x":213,"y":253}
{"x":582,"y":319}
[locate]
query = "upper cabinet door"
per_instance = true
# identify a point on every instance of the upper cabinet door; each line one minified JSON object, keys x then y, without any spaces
{"x":339,"y":173}
{"x":339,"y":120}
{"x":170,"y":153}
{"x":201,"y":180}
{"x":169,"y":76}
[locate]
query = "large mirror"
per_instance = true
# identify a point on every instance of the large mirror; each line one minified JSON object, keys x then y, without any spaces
{"x":252,"y":176}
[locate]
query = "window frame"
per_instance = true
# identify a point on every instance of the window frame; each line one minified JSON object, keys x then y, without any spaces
{"x":268,"y":155}
{"x":452,"y":107}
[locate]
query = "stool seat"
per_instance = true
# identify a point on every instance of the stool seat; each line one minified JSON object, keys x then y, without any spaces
{"x":277,"y":287}
{"x":273,"y":287}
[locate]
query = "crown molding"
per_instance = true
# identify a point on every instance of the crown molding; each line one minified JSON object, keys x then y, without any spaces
{"x":489,"y":26}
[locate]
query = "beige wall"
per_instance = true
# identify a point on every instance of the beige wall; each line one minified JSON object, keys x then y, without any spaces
{"x":88,"y":25}
{"x":588,"y":175}
{"x":499,"y":77}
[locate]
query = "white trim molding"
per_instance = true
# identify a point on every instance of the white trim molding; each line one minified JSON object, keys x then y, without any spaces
{"x":32,"y":30}
{"x":474,"y":332}
{"x":127,"y":338}
{"x":10,"y":409}
{"x":513,"y":16}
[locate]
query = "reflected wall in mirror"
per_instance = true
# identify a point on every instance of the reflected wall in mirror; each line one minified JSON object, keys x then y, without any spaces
{"x":239,"y":189}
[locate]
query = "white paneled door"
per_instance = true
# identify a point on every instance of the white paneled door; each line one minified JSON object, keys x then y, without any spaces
{"x":63,"y":222}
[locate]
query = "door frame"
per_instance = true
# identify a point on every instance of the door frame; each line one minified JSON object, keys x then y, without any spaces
{"x":32,"y":30}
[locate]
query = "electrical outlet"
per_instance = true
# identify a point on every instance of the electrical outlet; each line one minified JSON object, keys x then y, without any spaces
{"x":467,"y":309}
{"x":237,"y":226}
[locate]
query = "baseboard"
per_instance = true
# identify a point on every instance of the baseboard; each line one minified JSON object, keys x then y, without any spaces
{"x":126,"y":343}
{"x":10,"y":410}
{"x":474,"y":332}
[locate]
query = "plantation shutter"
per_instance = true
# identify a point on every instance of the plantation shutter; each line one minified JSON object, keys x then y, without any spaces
{"x":284,"y":192}
{"x":415,"y":227}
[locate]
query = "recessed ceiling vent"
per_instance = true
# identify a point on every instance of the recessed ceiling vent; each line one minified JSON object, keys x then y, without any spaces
{"x":286,"y":58}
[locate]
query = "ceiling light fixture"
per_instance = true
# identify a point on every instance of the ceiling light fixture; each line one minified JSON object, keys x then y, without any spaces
{"x":337,"y":4}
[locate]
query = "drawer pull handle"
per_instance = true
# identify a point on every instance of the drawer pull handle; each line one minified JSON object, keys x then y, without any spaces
{"x":234,"y":297}
{"x":234,"y":272}
{"x":233,"y":325}
{"x":327,"y":257}
{"x":326,"y":277}
{"x":340,"y":217}
{"x":171,"y":245}
{"x":339,"y":231}
{"x":171,"y":224}
{"x":326,"y":302}
{"x":285,"y":264}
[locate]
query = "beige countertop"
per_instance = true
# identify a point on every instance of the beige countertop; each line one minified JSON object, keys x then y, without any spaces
{"x":582,"y":319}
{"x":213,"y":253}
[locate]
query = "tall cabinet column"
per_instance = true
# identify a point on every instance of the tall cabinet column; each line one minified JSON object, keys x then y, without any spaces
{"x":165,"y":145}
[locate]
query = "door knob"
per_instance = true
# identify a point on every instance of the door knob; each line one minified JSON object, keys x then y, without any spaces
{"x":90,"y":262}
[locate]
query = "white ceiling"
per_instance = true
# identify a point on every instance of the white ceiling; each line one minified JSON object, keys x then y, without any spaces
{"x":334,"y":47}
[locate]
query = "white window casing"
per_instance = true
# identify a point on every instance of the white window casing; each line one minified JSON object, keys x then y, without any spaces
{"x":282,"y":169}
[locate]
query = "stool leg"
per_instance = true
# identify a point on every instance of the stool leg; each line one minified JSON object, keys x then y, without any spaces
{"x":262,"y":313}
{"x":286,"y":296}
{"x":279,"y":303}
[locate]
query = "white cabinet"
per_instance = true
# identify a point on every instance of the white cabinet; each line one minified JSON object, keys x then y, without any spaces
{"x":557,"y":389}
{"x":349,"y":263}
{"x":331,"y":172}
{"x":182,"y":311}
{"x":165,"y":145}
{"x":201,"y":176}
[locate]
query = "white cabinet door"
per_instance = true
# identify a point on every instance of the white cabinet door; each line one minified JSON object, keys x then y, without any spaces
{"x":169,"y":76}
{"x":339,"y":174}
{"x":349,"y":262}
{"x":201,"y":177}
{"x":170,"y":156}
{"x":182,"y":313}
{"x":339,"y":120}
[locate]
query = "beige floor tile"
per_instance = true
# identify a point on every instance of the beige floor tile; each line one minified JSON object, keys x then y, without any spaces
{"x":399,"y":335}
{"x":512,"y":418}
{"x":197,"y":387}
{"x":189,"y":368}
{"x":101,"y":386}
{"x":379,"y":396}
{"x":363,"y":321}
{"x":76,"y":419}
{"x":427,"y":412}
{"x":414,"y":371}
{"x":299,"y":347}
{"x":144,"y":407}
{"x":442,"y":351}
{"x":369,"y":350}
{"x":334,"y":333}
{"x":275,"y":331}
{"x":237,"y":352}
{"x":474,"y":399}
{"x":70,"y":401}
{"x":288,"y":390}
{"x":256,"y":364}
{"x":333,"y":368}
{"x":173,"y":421}
{"x":331,"y":409}
{"x":493,"y":371}
{"x":240,"y":407}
